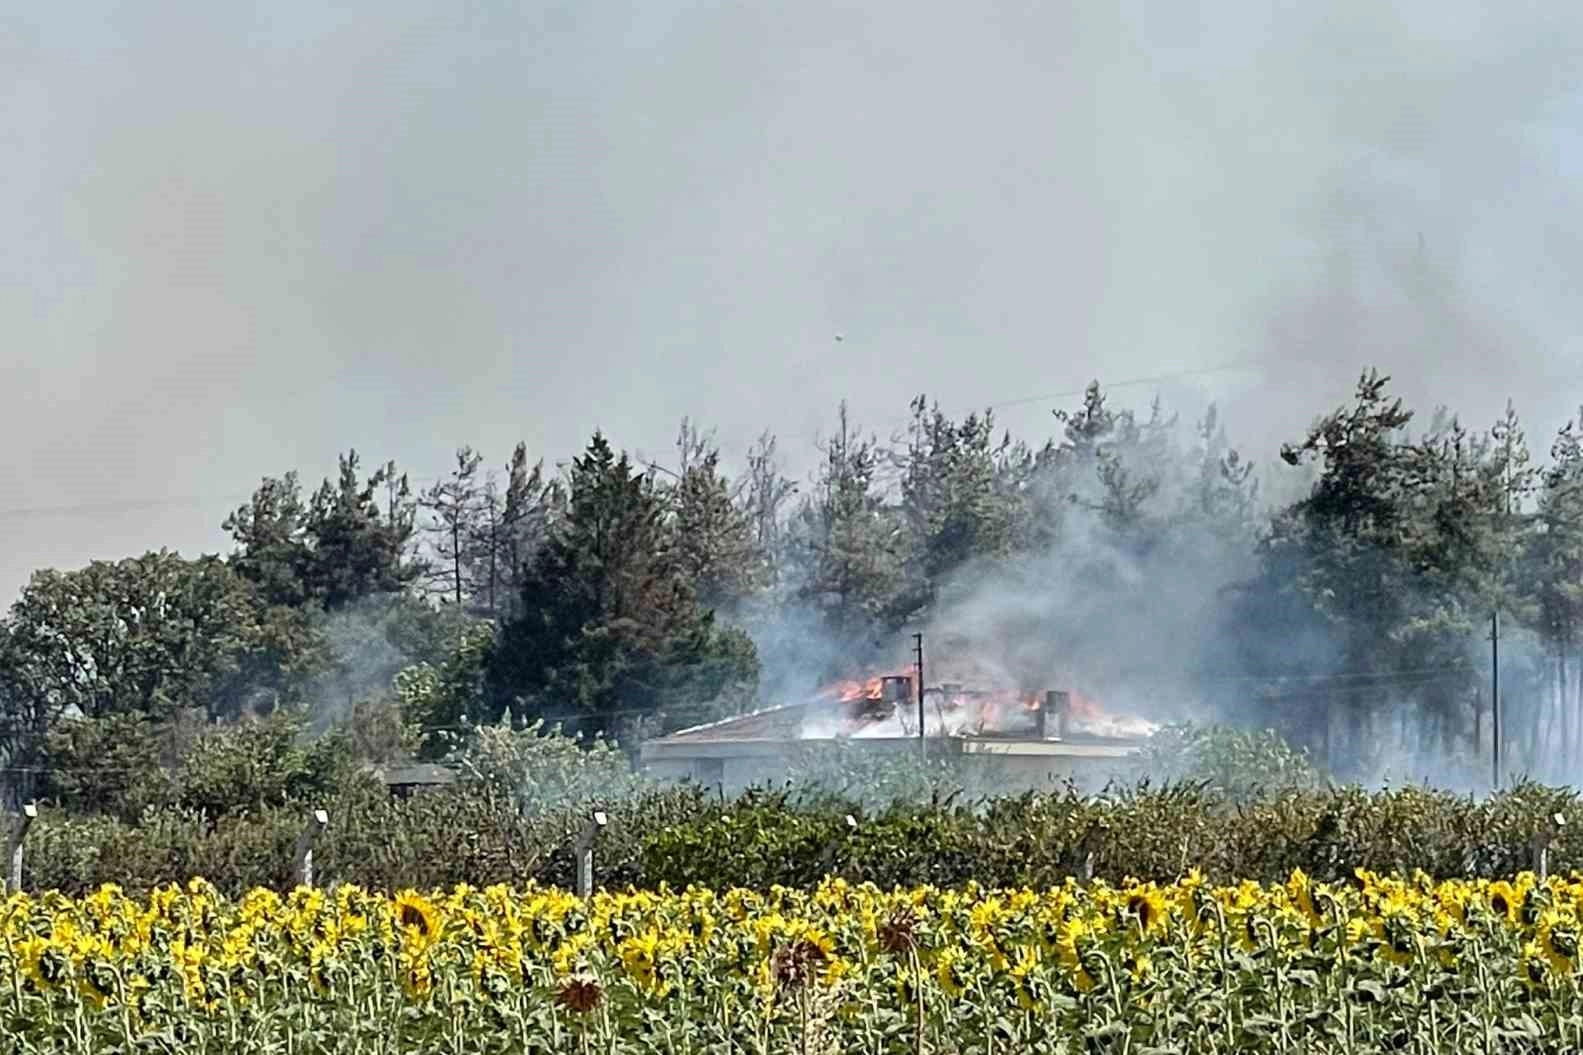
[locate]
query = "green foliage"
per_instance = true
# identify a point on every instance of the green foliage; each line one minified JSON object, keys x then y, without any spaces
{"x":846,"y":548}
{"x":147,"y":635}
{"x":349,"y":541}
{"x":609,"y":627}
{"x":618,"y":599}
{"x":873,"y":778}
{"x":114,"y":764}
{"x":473,"y":833}
{"x":1237,"y":763}
{"x":542,"y":770}
{"x":440,"y":700}
{"x":125,"y":765}
{"x":262,"y":763}
{"x":714,"y":545}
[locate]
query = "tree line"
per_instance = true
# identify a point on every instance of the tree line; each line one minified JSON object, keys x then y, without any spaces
{"x":625,"y":598}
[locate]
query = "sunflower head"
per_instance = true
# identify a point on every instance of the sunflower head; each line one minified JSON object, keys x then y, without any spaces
{"x":580,"y":993}
{"x":1557,"y":939}
{"x":899,"y":932}
{"x":417,"y":917}
{"x":1148,"y":906}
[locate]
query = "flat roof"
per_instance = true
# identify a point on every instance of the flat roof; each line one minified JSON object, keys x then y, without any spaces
{"x":771,"y":747}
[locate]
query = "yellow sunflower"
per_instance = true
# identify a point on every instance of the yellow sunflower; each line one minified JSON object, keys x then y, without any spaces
{"x":418,"y":917}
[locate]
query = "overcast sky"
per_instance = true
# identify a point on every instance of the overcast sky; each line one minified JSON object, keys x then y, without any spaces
{"x":239,"y":238}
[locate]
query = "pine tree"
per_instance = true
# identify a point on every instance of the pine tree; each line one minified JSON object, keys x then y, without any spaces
{"x":952,"y":499}
{"x":763,"y":501}
{"x":335,"y":549}
{"x":849,"y":542}
{"x":454,"y":508}
{"x":1556,"y":560}
{"x":713,"y":536}
{"x":511,"y":526}
{"x":609,"y":627}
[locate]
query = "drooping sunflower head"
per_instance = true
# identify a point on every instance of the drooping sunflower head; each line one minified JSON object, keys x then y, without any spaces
{"x":1148,"y":906}
{"x":580,"y":993}
{"x":417,"y":917}
{"x":1557,"y":939}
{"x":1504,"y":901}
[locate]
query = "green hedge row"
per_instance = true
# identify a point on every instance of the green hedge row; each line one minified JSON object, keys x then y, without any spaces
{"x":681,"y":836}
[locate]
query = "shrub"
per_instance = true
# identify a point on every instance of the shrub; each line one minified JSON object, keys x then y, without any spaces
{"x":543,"y":769}
{"x":107,"y":765}
{"x":256,"y":764}
{"x":1235,"y":762}
{"x":873,"y":779}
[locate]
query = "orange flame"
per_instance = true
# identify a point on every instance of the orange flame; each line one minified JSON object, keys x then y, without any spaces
{"x":985,"y":710}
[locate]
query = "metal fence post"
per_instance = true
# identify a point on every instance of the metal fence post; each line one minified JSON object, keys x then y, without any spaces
{"x":585,"y":853}
{"x":1541,"y":844}
{"x":305,"y":841}
{"x":14,"y":839}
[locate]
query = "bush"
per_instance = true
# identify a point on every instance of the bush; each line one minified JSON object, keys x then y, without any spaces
{"x":874,"y":779}
{"x":1237,"y":763}
{"x":107,"y":765}
{"x":253,"y":765}
{"x":679,"y":836}
{"x":542,"y":770}
{"x":125,"y":765}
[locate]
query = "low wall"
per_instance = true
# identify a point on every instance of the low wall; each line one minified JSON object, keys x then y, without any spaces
{"x":1017,"y":765}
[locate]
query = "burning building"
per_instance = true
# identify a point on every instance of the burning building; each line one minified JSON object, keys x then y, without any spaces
{"x":1035,"y":737}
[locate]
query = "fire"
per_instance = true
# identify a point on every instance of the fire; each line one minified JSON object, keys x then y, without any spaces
{"x":851,"y":691}
{"x":865,"y":701}
{"x":1085,"y":708}
{"x":873,"y":689}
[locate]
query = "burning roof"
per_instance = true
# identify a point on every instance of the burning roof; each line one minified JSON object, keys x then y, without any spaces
{"x":887,"y":705}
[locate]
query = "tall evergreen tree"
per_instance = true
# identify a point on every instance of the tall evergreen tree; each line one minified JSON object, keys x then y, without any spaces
{"x":713,"y":536}
{"x":952,"y":500}
{"x":512,"y":524}
{"x":764,"y":501}
{"x":353,"y":538}
{"x":1556,"y":559}
{"x":609,"y":627}
{"x":849,"y":546}
{"x":455,"y":510}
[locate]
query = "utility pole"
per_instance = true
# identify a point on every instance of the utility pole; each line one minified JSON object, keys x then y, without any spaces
{"x":923,"y":747}
{"x":1495,"y":695}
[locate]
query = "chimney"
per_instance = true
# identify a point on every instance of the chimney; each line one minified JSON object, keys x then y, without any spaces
{"x":1059,"y":705}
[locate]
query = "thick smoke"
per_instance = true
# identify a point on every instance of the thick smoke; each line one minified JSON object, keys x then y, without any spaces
{"x":1164,"y":630}
{"x":241,"y":241}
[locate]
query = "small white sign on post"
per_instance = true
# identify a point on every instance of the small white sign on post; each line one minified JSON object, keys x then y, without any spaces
{"x":304,"y":854}
{"x":833,"y":847}
{"x":585,"y":853}
{"x":1547,"y":834}
{"x":14,"y":839}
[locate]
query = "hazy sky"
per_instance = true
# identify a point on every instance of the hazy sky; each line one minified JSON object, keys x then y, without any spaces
{"x":239,"y":238}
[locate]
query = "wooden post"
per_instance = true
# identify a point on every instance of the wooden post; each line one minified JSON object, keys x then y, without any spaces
{"x":1541,"y":844}
{"x":18,"y":833}
{"x":305,"y":841}
{"x":585,"y":853}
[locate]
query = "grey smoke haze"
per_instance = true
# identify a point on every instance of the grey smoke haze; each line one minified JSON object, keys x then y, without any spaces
{"x":240,"y":239}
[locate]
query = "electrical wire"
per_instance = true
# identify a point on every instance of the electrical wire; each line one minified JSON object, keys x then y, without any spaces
{"x":138,"y":504}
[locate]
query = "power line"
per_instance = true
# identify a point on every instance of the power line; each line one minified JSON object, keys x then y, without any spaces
{"x":1130,"y":382}
{"x":140,"y":504}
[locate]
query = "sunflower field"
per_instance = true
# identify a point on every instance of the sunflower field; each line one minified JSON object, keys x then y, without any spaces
{"x":1377,"y":964}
